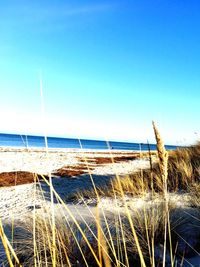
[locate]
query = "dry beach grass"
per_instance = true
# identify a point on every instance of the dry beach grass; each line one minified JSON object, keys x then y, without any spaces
{"x":183,"y":175}
{"x":148,"y":218}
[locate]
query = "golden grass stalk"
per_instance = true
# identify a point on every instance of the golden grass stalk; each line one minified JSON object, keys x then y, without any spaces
{"x":8,"y":248}
{"x":163,"y":164}
{"x":102,"y":245}
{"x":163,"y":158}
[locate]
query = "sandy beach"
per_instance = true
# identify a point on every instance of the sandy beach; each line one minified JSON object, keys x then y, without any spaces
{"x":44,"y":162}
{"x":23,"y":196}
{"x":74,"y":167}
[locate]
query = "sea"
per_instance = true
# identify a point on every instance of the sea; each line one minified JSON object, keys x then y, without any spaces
{"x":32,"y":141}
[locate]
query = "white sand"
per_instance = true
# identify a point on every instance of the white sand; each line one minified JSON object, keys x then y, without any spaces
{"x":41,"y":162}
{"x":18,"y":200}
{"x":34,"y":161}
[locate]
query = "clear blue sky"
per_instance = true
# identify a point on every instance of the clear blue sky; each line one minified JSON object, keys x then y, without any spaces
{"x":108,"y":68}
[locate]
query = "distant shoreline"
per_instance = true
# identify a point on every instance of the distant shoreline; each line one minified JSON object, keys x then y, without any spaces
{"x":29,"y":142}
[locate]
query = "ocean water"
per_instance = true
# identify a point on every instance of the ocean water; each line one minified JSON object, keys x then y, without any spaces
{"x":16,"y":140}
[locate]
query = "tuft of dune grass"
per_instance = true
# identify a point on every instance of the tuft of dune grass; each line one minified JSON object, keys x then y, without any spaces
{"x":183,"y":175}
{"x":119,"y":249}
{"x":70,"y":248}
